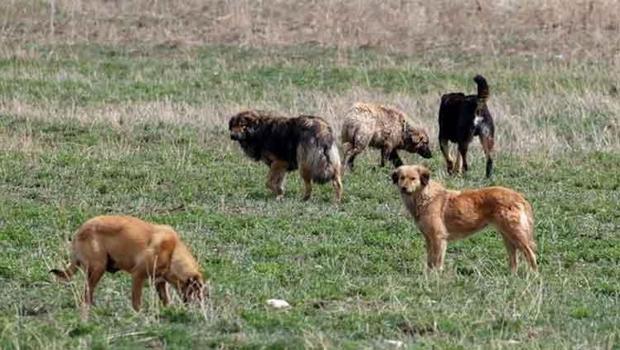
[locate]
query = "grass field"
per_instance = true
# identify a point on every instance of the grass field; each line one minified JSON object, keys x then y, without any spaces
{"x":88,"y":129}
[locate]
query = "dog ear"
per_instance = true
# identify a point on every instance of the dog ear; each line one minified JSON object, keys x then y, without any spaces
{"x":425,"y":176}
{"x":395,"y":176}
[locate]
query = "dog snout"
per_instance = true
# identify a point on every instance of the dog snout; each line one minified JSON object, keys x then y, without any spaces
{"x":425,"y":152}
{"x":236,"y":136}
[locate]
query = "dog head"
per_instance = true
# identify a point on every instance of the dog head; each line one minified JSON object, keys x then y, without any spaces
{"x":411,"y":178}
{"x":193,"y":289}
{"x":416,"y":141}
{"x":243,"y":125}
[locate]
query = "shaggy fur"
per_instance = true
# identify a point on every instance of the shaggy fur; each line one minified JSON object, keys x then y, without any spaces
{"x":286,"y":144}
{"x":444,"y":215}
{"x":384,"y":128}
{"x":145,"y":250}
{"x":460,"y":119}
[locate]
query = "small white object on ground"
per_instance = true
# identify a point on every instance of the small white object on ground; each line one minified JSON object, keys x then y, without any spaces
{"x":397,"y":343}
{"x":278,"y":303}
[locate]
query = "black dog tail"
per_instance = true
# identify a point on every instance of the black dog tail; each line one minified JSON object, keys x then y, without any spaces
{"x":483,"y":88}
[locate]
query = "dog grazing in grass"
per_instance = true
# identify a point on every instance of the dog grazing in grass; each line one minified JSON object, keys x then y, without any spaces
{"x":444,"y":215}
{"x":384,"y":128}
{"x":286,"y":144}
{"x":145,"y":250}
{"x":460,"y":119}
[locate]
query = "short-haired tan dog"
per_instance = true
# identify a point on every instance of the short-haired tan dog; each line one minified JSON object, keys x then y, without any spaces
{"x":143,"y":249}
{"x":445,"y":215}
{"x":381,"y":127}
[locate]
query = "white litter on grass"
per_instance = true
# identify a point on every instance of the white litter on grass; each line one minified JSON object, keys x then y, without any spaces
{"x":278,"y":303}
{"x":397,"y":343}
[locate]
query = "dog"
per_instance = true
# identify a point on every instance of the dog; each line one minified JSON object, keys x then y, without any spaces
{"x":384,"y":128}
{"x":445,"y":215}
{"x":460,"y":119}
{"x":143,"y":249}
{"x":287,"y":144}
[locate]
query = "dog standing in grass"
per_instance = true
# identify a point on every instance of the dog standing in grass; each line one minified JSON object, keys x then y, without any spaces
{"x":461,"y":118}
{"x":146,"y":251}
{"x":286,"y":144}
{"x":445,"y":215}
{"x":384,"y":128}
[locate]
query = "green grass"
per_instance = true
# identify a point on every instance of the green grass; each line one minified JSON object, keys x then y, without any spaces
{"x":86,"y":75}
{"x":354,"y":273}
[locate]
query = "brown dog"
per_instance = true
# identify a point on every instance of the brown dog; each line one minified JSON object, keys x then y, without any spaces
{"x":384,"y":128}
{"x":145,"y":250}
{"x":445,"y":215}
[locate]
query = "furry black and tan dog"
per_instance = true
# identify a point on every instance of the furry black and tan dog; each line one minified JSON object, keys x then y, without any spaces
{"x":461,"y":118}
{"x":285,"y":144}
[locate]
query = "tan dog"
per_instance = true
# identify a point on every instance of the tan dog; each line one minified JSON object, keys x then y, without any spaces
{"x":445,"y":215}
{"x":381,"y":127}
{"x":145,"y":250}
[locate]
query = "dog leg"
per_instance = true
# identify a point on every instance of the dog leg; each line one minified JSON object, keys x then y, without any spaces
{"x":162,"y":291}
{"x":518,"y":237}
{"x":307,"y":177}
{"x":136,"y":290}
{"x":487,"y":146}
{"x":275,"y":181}
{"x":350,"y":160}
{"x":429,"y":253}
{"x":530,"y":256}
{"x":94,"y":275}
{"x":512,"y":255}
{"x":436,"y":250}
{"x":462,"y":168}
{"x":349,"y":155}
{"x":395,"y":159}
{"x":337,"y":183}
{"x":445,"y":150}
{"x":355,"y":148}
{"x":440,"y":254}
{"x":385,"y":154}
{"x":524,"y":245}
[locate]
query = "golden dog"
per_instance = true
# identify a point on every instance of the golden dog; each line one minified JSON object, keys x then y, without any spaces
{"x":145,"y":250}
{"x":444,"y":215}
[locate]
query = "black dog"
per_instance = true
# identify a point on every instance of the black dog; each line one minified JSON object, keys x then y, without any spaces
{"x":463,"y":117}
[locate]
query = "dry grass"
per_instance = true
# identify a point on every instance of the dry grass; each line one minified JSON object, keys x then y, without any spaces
{"x":529,"y":122}
{"x":583,"y":28}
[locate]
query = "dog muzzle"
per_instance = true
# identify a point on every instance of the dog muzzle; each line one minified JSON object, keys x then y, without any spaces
{"x":425,"y":152}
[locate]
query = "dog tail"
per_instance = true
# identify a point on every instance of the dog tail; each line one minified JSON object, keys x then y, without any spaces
{"x":318,"y":152}
{"x":530,"y":224}
{"x":65,"y":275}
{"x":483,"y":88}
